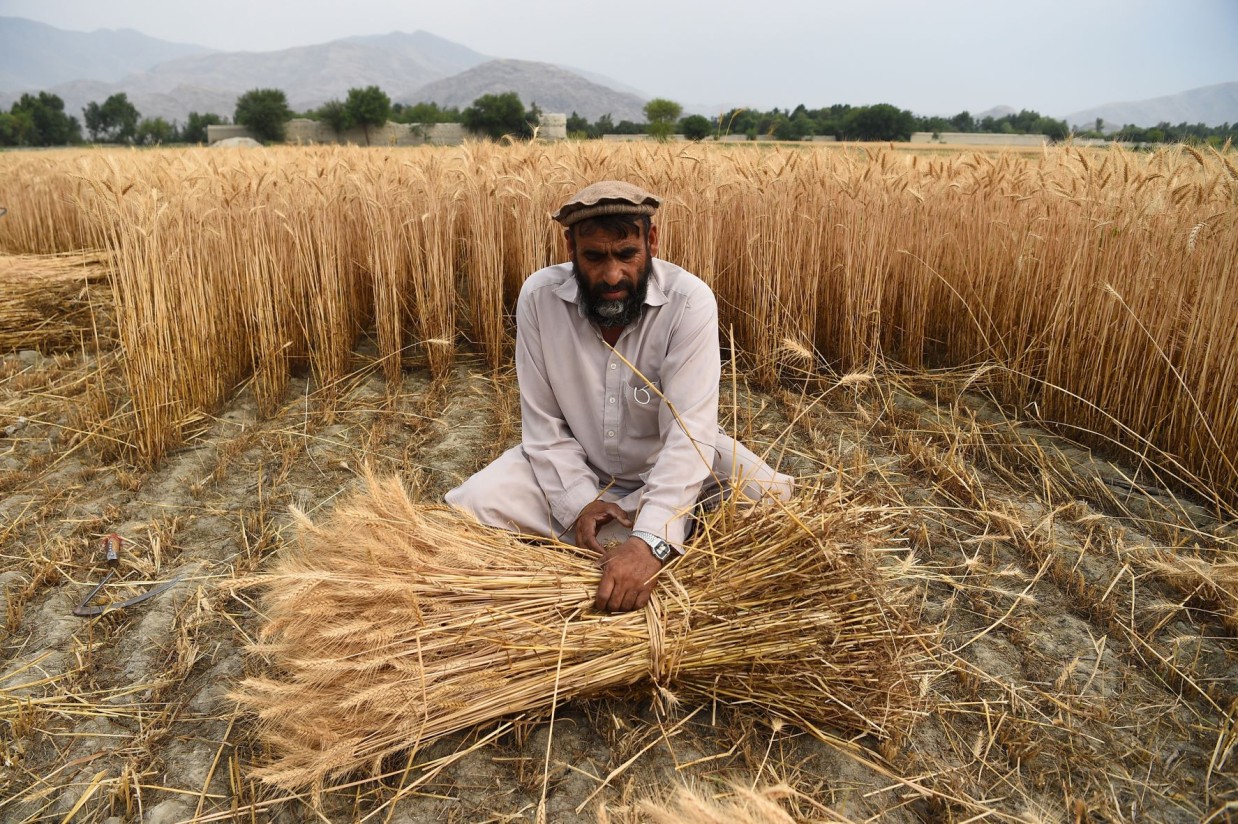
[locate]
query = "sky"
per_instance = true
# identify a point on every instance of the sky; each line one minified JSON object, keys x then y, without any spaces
{"x":940,"y":57}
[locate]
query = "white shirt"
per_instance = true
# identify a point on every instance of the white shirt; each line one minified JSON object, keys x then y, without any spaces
{"x":589,"y":420}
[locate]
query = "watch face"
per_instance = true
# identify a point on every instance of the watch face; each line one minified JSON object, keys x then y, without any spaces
{"x":661,"y":550}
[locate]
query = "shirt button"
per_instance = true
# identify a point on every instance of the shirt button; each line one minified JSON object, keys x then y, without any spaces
{"x":612,"y":398}
{"x":612,"y":366}
{"x":610,"y":433}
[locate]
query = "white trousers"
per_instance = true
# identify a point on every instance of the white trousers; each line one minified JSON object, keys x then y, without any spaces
{"x":506,"y":494}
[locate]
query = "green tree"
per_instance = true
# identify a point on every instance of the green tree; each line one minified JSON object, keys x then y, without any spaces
{"x":696,"y":127}
{"x":153,"y":132}
{"x":49,"y":125}
{"x":796,"y":127}
{"x":116,"y":121}
{"x":15,"y":129}
{"x":92,"y":116}
{"x":195,"y":126}
{"x":831,"y":121}
{"x":738,"y":121}
{"x":425,"y":113}
{"x":934,"y":124}
{"x":879,"y":122}
{"x":496,"y":115}
{"x":368,"y":108}
{"x":579,"y":128}
{"x":1051,"y":128}
{"x":335,"y":114}
{"x":628,"y":127}
{"x":264,"y":112}
{"x":661,"y":115}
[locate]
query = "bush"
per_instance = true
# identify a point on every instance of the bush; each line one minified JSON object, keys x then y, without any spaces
{"x":696,"y":127}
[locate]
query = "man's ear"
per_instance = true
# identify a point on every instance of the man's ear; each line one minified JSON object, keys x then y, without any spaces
{"x":571,"y":241}
{"x":653,"y":239}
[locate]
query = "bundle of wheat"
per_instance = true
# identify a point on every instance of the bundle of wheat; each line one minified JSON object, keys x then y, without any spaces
{"x":394,"y":623}
{"x":45,"y":303}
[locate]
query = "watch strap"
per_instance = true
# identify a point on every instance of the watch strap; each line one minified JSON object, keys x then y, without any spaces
{"x":659,"y":547}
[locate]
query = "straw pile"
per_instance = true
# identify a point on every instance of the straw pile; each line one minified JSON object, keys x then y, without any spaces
{"x":737,"y":804}
{"x":395,"y":623}
{"x":45,"y":303}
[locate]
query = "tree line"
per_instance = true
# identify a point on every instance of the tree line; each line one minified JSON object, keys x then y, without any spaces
{"x":41,"y":120}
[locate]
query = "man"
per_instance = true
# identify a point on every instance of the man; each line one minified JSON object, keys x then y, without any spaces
{"x":618,"y":365}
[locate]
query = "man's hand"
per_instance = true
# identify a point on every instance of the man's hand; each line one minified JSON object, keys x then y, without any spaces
{"x":628,"y":572}
{"x":595,"y":516}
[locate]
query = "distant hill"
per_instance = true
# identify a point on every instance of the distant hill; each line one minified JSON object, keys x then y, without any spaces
{"x":554,"y":89}
{"x":1211,"y":105}
{"x":997,"y":112}
{"x":308,"y":75}
{"x":35,"y":56}
{"x":312,"y":75}
{"x":409,"y":67}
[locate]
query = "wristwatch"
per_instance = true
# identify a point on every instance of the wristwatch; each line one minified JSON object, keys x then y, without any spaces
{"x":660,"y":548}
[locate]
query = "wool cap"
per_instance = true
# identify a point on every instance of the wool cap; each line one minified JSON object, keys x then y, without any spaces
{"x":608,"y":197}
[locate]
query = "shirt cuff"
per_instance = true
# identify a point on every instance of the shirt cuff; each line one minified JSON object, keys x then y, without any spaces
{"x":568,"y":506}
{"x":664,"y":523}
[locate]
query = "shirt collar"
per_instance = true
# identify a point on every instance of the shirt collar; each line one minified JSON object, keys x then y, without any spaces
{"x":655,"y":294}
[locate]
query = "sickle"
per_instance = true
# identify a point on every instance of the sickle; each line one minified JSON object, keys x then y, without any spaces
{"x":84,"y":611}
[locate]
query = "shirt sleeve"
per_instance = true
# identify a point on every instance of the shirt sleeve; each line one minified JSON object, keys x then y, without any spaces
{"x":558,"y":460}
{"x":690,"y":376}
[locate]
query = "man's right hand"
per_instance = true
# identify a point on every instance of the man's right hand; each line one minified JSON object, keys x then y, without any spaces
{"x":595,"y":516}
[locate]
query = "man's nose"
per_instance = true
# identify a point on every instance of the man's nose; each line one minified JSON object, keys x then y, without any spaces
{"x":612,"y":271}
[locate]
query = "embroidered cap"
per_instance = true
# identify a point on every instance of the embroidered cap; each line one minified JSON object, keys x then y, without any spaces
{"x":609,"y":197}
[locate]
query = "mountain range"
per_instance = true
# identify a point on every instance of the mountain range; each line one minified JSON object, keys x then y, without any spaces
{"x":1212,"y":105}
{"x":35,"y":56}
{"x":169,"y":80}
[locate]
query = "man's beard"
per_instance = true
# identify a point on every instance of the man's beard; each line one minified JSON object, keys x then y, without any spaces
{"x":611,"y":313}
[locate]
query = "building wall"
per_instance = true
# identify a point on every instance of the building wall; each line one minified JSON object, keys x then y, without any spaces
{"x":214,"y":134}
{"x":973,"y":139}
{"x":553,"y":127}
{"x":639,"y":138}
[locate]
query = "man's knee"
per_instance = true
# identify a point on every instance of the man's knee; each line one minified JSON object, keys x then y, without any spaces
{"x":766,"y":485}
{"x":505,"y":495}
{"x":459,"y":498}
{"x":478,"y":498}
{"x":747,"y":476}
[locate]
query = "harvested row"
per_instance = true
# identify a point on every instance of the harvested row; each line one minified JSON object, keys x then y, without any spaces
{"x":1052,"y":713}
{"x":1061,"y":630}
{"x":1099,"y":286}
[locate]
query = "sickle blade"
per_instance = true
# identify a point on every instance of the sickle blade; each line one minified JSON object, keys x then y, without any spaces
{"x":84,"y":611}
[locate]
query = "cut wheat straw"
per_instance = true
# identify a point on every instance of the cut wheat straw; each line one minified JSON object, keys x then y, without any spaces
{"x":45,"y":302}
{"x":395,"y":623}
{"x":731,"y":804}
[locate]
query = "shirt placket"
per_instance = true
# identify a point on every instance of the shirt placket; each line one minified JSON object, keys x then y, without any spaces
{"x":610,"y":412}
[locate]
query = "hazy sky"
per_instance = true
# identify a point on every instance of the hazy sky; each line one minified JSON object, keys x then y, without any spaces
{"x":1055,"y":56}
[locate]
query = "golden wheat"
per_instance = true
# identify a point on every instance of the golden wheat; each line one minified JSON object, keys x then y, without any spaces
{"x":393,"y":623}
{"x":1101,"y":283}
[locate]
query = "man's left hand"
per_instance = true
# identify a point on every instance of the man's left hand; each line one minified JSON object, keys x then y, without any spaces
{"x":628,"y":572}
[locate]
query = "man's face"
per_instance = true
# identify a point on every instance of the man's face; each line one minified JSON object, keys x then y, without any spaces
{"x":613,"y":273}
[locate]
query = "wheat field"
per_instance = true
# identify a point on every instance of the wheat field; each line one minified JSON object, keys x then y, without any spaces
{"x":1101,"y":285}
{"x":1024,"y":365}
